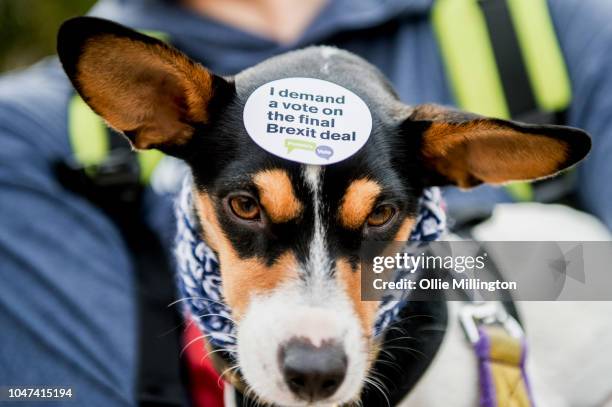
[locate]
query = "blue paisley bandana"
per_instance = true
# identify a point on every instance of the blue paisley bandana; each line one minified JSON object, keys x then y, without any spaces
{"x":199,"y":275}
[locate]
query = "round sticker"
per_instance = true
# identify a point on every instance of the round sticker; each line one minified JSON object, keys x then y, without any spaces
{"x":307,"y":120}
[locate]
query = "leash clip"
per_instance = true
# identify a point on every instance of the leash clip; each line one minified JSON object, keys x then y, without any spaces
{"x":476,"y":314}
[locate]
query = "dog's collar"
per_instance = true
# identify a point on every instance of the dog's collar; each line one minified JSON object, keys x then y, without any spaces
{"x":199,"y":277}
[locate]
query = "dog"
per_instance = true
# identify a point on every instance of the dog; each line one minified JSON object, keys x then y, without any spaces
{"x":287,"y":235}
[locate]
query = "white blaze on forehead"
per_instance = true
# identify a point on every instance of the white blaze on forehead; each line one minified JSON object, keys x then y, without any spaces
{"x":318,"y":258}
{"x":327,"y":53}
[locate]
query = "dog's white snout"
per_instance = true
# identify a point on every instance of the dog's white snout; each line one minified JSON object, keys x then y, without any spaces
{"x":293,"y":351}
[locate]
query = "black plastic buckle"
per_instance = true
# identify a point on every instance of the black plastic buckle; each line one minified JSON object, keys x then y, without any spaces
{"x":120,"y":168}
{"x":112,"y":185}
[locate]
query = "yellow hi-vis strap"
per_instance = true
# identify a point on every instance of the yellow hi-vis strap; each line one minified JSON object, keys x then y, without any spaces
{"x":89,"y":138}
{"x":468,"y":55}
{"x":89,"y":135}
{"x":542,"y":54}
{"x":473,"y":71}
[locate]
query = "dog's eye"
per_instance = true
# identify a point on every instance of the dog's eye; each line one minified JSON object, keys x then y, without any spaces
{"x":381,"y":215}
{"x":245,"y":207}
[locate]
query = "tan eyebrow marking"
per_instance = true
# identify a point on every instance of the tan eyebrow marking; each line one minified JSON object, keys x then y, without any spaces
{"x":277,"y":196}
{"x":358,"y":202}
{"x":239,"y":286}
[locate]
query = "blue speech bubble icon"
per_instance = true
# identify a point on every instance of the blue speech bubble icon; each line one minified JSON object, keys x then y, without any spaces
{"x":324,"y":152}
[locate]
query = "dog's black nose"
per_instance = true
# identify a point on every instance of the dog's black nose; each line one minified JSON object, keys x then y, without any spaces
{"x":312,"y":373}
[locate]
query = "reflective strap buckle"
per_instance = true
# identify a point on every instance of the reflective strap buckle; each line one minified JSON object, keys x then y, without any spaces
{"x":112,"y":183}
{"x":499,"y":344}
{"x":119,"y":168}
{"x":476,"y":314}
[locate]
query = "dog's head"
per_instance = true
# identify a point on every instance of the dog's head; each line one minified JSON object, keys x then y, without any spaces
{"x":288,"y":235}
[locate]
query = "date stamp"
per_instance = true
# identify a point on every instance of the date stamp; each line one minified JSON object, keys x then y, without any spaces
{"x":35,"y":393}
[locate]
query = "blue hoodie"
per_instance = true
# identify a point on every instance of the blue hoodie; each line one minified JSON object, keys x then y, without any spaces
{"x":67,"y":310}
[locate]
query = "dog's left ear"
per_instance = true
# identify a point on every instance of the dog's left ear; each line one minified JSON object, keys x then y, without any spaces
{"x":147,"y":90}
{"x":466,"y":150}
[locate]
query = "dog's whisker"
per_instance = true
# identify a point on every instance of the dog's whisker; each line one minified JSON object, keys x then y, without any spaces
{"x":206,"y":336}
{"x":397,"y":328}
{"x":232,"y":351}
{"x":386,"y":352}
{"x":228,"y":370}
{"x":407,"y":349}
{"x":409,"y":317}
{"x":393,"y":365}
{"x":402,"y":331}
{"x":373,"y":374}
{"x":184,"y":299}
{"x":399,"y":338}
{"x":194,"y":298}
{"x":433,"y":329}
{"x":191,"y":342}
{"x":378,"y":386}
{"x":183,"y":325}
{"x":253,"y":398}
{"x":216,"y":315}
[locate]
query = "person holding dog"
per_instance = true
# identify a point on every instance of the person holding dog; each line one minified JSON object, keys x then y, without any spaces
{"x":69,"y":311}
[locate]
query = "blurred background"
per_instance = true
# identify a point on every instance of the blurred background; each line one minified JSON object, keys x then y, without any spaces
{"x":28,"y":28}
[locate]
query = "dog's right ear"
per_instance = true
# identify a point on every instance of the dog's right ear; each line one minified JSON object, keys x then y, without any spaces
{"x":147,"y":90}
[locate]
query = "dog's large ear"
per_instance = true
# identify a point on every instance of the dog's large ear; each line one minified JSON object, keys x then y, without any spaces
{"x":466,"y":150}
{"x":147,"y":90}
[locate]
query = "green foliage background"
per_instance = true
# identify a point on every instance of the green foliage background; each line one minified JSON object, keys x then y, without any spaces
{"x":28,"y":28}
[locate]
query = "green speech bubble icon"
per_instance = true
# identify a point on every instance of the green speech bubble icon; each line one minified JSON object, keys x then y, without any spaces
{"x":297,"y":144}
